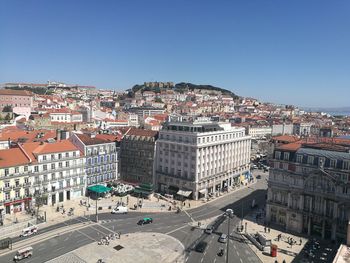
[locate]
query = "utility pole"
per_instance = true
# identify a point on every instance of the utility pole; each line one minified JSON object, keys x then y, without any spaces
{"x":229,"y":213}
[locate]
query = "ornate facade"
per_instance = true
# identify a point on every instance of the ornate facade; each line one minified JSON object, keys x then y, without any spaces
{"x":309,"y":189}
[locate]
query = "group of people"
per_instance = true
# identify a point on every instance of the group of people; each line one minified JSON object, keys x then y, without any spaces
{"x":105,"y":240}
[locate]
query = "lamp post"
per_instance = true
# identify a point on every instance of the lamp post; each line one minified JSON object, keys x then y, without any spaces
{"x":229,"y":214}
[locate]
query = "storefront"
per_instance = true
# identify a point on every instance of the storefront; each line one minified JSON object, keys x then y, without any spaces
{"x":17,"y":206}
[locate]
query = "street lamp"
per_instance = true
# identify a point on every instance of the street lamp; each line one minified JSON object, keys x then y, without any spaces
{"x":229,"y":214}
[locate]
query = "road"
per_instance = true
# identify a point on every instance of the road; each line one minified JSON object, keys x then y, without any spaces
{"x":176,"y":225}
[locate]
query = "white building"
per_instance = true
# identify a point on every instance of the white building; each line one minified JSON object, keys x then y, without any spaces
{"x":201,"y":158}
{"x":259,"y":131}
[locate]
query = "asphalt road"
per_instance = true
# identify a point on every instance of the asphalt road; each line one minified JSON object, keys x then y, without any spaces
{"x":170,"y":223}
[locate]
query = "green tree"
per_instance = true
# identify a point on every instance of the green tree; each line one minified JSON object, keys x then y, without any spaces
{"x":7,"y":108}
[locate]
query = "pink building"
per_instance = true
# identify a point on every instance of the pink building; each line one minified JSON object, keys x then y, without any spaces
{"x":15,"y":98}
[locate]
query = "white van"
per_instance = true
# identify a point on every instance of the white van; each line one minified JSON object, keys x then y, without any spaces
{"x":120,"y":210}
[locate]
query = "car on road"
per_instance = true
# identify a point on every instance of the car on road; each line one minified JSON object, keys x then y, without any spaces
{"x":120,"y":210}
{"x":254,"y":166}
{"x":223,"y":238}
{"x":201,"y":246}
{"x":209,"y":230}
{"x":145,"y":220}
{"x":258,"y":176}
{"x":23,"y":253}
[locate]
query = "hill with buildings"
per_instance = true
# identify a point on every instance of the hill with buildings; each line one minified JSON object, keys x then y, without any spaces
{"x":181,"y":87}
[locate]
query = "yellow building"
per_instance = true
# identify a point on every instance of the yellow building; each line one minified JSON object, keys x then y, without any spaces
{"x":14,"y":181}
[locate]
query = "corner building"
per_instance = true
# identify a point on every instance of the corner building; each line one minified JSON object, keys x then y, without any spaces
{"x":199,"y":159}
{"x":309,"y":188}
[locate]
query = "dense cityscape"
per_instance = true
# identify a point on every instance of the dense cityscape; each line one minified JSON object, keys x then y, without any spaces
{"x":174,"y":131}
{"x":87,"y":164}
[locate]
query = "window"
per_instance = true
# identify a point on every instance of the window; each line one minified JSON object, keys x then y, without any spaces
{"x":67,"y":164}
{"x":45,"y":167}
{"x":346,"y":165}
{"x":7,"y":184}
{"x":26,"y":180}
{"x":333,"y":163}
{"x":278,"y":155}
{"x":67,"y":155}
{"x":26,"y":168}
{"x":286,"y":156}
{"x":321,"y":161}
{"x":36,"y":169}
{"x":53,"y":166}
{"x":16,"y":170}
{"x":60,"y":165}
{"x":310,"y":160}
{"x":7,"y":196}
{"x":59,"y":156}
{"x":7,"y":172}
{"x":52,"y":157}
{"x":44,"y":157}
{"x":74,"y":154}
{"x":299,"y":158}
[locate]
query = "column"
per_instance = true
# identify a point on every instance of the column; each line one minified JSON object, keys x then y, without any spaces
{"x":289,"y":200}
{"x":309,"y":225}
{"x":334,"y":231}
{"x":323,"y":228}
{"x":301,"y":202}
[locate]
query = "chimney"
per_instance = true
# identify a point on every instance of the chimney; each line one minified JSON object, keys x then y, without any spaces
{"x":9,"y":142}
{"x":58,"y":135}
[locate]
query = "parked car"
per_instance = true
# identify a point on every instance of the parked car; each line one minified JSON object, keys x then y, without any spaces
{"x":258,"y":176}
{"x":201,"y":246}
{"x":209,"y":230}
{"x":145,"y":220}
{"x":120,"y":210}
{"x":223,"y":238}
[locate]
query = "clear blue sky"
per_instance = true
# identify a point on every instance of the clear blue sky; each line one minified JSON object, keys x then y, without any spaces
{"x":291,"y":52}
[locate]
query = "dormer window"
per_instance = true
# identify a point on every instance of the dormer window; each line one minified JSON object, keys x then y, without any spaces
{"x":286,"y":156}
{"x":299,"y":158}
{"x":278,"y":155}
{"x":333,"y":163}
{"x":310,"y":160}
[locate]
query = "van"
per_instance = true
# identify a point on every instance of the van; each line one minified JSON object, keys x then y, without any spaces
{"x":120,"y":210}
{"x":23,"y":253}
{"x":32,"y":230}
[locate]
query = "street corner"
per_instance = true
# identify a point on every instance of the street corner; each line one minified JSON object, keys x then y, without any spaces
{"x":130,"y":248}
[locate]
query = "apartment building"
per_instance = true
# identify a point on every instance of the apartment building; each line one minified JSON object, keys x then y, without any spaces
{"x":259,"y":131}
{"x":197,"y":159}
{"x":14,"y":182}
{"x":52,"y":171}
{"x":137,"y":152}
{"x":101,"y":158}
{"x":15,"y":98}
{"x":309,"y":188}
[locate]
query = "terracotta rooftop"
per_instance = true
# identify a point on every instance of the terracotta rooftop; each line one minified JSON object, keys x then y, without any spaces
{"x":35,"y":148}
{"x":286,"y":138}
{"x":15,"y":92}
{"x":140,"y":132}
{"x":88,"y":140}
{"x":12,"y":157}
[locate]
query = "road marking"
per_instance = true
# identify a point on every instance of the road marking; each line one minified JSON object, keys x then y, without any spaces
{"x":214,"y":260}
{"x":240,"y":260}
{"x":189,"y":216}
{"x":41,"y":248}
{"x":59,"y":248}
{"x":237,"y":252}
{"x":176,"y":229}
{"x":202,"y":259}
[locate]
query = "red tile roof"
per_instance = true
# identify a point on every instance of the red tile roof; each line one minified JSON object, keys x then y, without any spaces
{"x":12,"y":157}
{"x":15,"y":92}
{"x":140,"y":132}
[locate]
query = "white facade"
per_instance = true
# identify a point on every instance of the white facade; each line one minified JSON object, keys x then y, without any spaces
{"x":259,"y":131}
{"x":201,"y":157}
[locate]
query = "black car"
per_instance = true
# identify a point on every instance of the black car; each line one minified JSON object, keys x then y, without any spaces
{"x":201,"y":246}
{"x":258,"y":176}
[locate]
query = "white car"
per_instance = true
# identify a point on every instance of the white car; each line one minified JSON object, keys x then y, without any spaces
{"x":223,"y":238}
{"x":120,"y":210}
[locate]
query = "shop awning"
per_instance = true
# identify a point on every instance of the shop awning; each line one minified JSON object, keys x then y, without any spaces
{"x":141,"y":191}
{"x":184,"y":193}
{"x":99,"y":189}
{"x":203,"y":191}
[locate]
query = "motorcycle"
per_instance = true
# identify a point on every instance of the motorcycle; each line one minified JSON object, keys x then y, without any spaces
{"x":221,"y":252}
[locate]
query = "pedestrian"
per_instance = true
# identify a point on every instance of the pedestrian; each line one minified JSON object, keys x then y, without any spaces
{"x":265,"y":229}
{"x":184,"y":203}
{"x":300,"y":241}
{"x":189,"y":205}
{"x":268,"y":230}
{"x":284,"y":261}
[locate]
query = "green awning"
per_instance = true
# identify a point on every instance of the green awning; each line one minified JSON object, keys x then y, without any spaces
{"x":141,"y":191}
{"x":146,"y":186}
{"x":99,"y":189}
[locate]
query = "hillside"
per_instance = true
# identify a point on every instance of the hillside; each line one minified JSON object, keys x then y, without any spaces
{"x":183,"y":87}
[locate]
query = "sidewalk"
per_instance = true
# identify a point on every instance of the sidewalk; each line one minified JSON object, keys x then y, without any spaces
{"x":284,"y":252}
